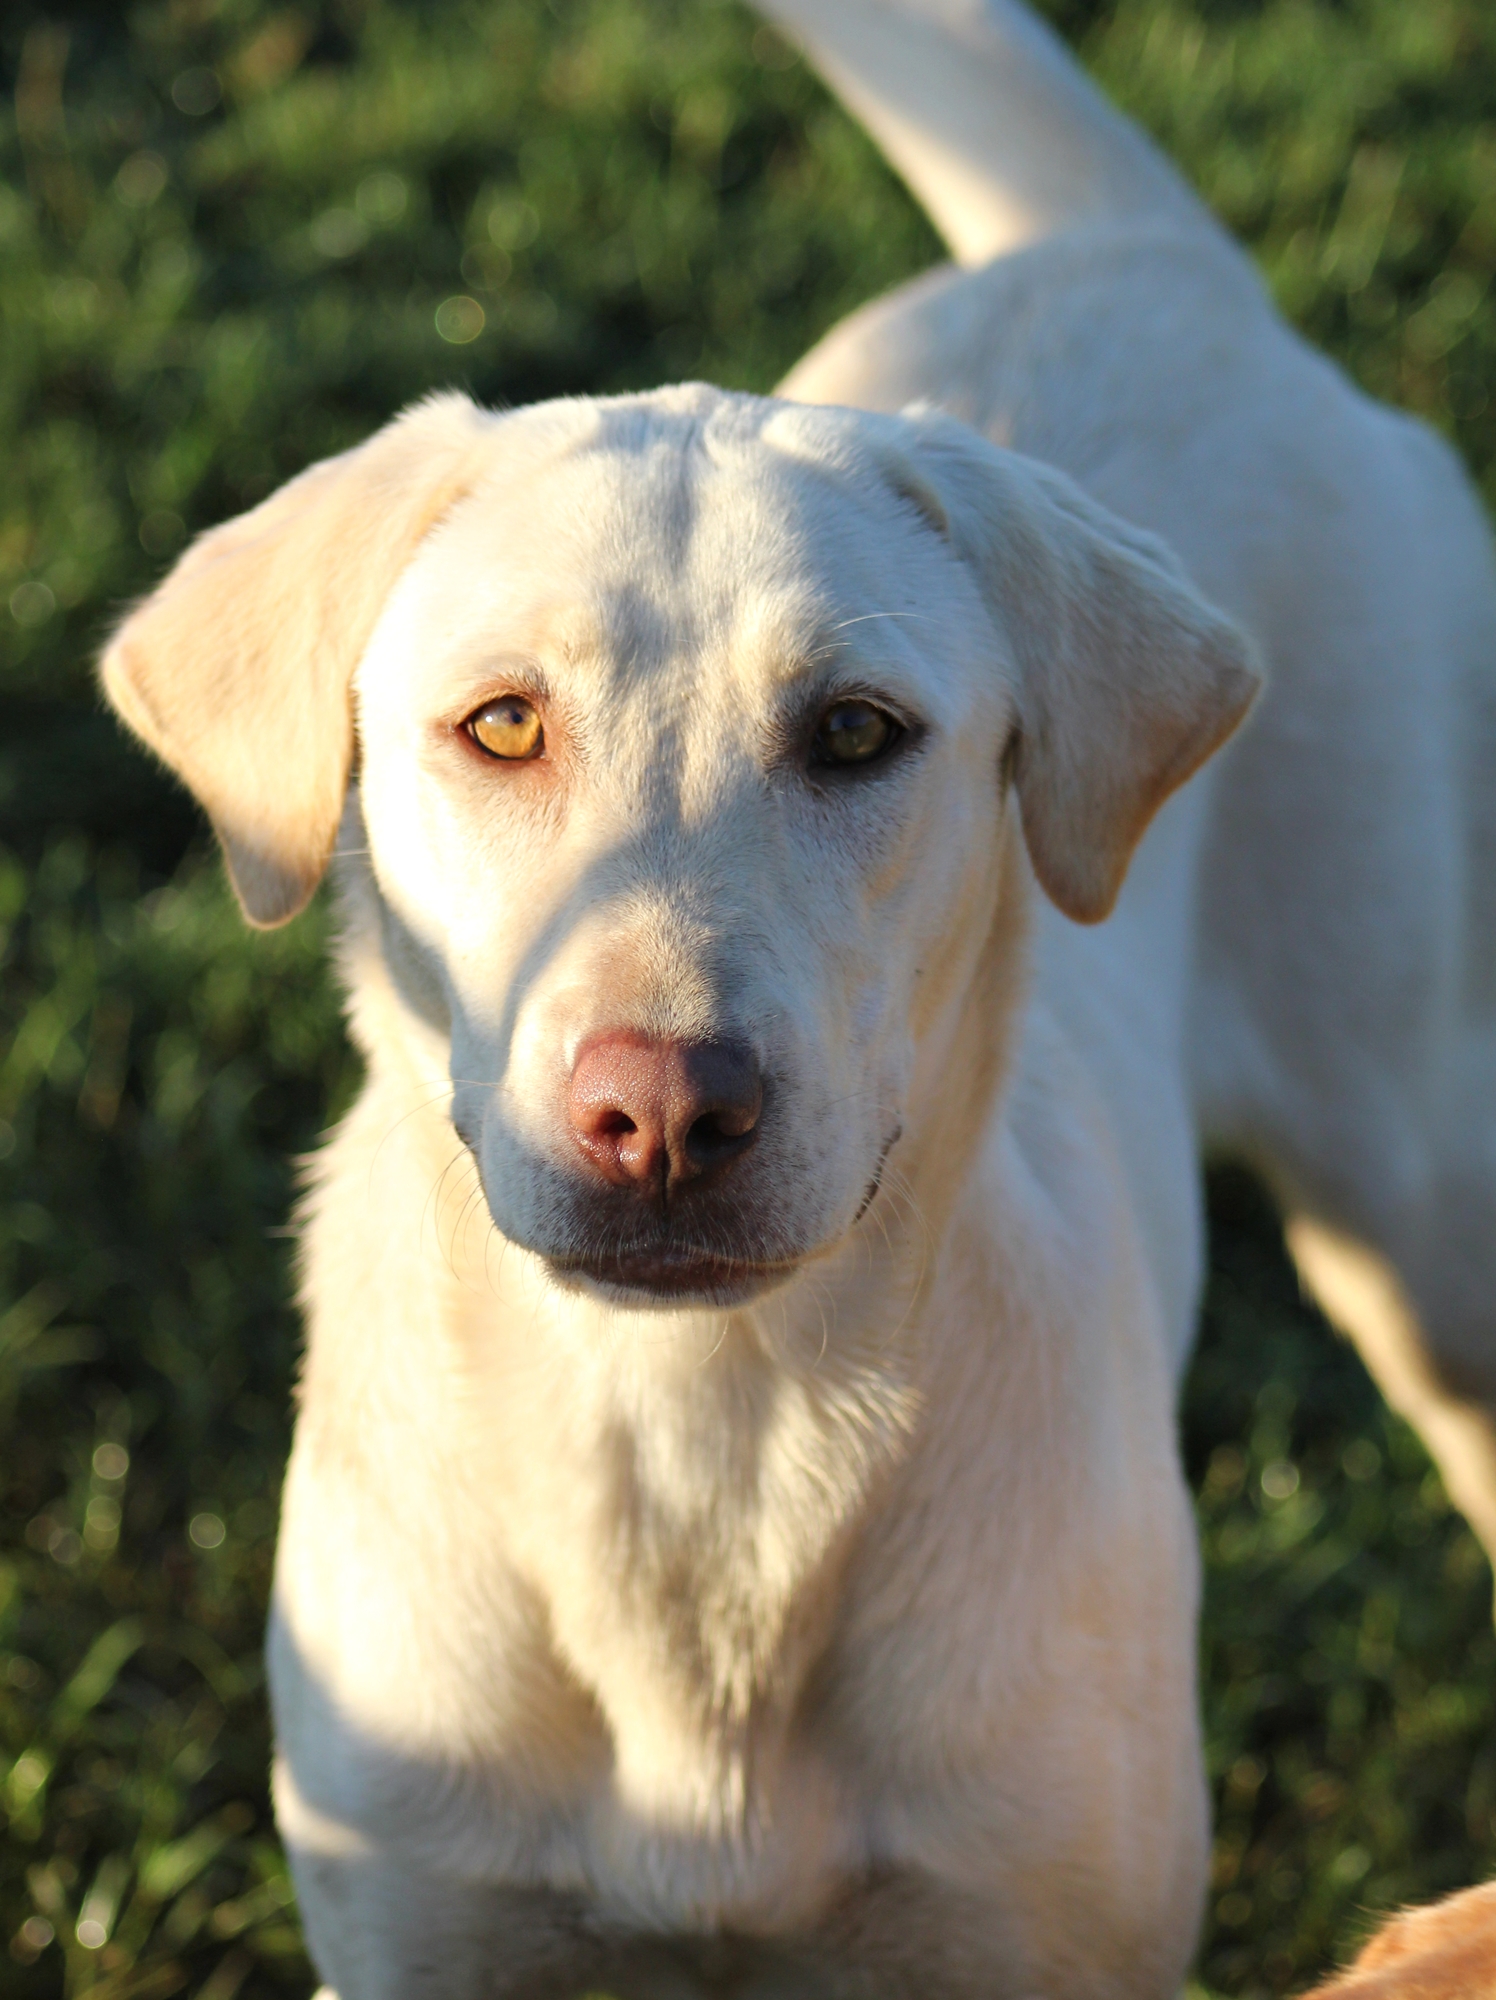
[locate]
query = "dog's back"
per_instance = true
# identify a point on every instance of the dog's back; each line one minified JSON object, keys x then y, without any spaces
{"x":1342,"y":1025}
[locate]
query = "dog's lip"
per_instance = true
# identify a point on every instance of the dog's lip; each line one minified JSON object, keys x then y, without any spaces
{"x":664,"y":1274}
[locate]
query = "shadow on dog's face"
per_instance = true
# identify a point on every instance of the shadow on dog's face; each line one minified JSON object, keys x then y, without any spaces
{"x":681,"y":771}
{"x":684,"y":723}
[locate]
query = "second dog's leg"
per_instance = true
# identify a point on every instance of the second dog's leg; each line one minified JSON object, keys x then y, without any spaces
{"x":1410,"y":1322}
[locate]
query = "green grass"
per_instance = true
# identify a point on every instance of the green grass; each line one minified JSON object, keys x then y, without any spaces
{"x":207,"y":279}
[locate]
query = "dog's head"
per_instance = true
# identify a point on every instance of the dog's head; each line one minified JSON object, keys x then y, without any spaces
{"x":685,"y":725}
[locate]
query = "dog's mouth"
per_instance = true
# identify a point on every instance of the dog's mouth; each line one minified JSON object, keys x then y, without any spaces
{"x":673,"y":1277}
{"x":708,"y":1251}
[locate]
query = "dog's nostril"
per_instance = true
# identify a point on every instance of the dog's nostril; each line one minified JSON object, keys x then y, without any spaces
{"x":717,"y":1133}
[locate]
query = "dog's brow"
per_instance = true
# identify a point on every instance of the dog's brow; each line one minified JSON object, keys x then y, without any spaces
{"x":569,"y":632}
{"x":549,"y":637}
{"x":488,"y":670}
{"x":849,"y":643}
{"x":792,"y":651}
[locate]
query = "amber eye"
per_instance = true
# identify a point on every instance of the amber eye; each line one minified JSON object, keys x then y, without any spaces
{"x":853,"y":732}
{"x":507,"y":728}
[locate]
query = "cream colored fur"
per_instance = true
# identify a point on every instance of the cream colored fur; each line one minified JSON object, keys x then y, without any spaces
{"x":832,"y":1633}
{"x":240,"y":677}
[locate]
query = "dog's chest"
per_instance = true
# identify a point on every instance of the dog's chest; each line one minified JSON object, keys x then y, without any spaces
{"x":686,"y":1529}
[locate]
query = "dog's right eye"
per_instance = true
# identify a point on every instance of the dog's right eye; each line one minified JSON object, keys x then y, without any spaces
{"x":507,"y":728}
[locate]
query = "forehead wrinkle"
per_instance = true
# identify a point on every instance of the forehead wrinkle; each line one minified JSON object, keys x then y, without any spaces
{"x":614,"y":500}
{"x":642,"y":637}
{"x":834,"y":554}
{"x":651,"y":480}
{"x":631,"y":543}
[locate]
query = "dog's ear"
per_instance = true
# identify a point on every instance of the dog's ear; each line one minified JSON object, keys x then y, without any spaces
{"x":236,"y":670}
{"x":1127,"y":679}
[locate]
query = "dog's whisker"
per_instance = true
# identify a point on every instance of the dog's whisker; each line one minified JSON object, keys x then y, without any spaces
{"x":458,"y":1247}
{"x":867,"y":617}
{"x":414,"y":1112}
{"x":433,"y":1205}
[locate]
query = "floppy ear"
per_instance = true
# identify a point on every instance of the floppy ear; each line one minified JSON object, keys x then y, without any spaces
{"x":236,"y":670}
{"x":1127,"y":679}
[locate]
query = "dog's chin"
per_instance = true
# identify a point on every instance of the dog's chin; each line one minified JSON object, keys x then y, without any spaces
{"x":659,"y":1281}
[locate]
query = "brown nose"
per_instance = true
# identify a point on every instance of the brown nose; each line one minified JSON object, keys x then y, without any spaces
{"x":663,"y":1113}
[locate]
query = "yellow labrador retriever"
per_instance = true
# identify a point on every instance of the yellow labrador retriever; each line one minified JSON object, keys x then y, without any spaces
{"x":758,"y":1562}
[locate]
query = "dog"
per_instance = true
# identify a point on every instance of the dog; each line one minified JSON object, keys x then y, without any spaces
{"x":790,"y":876}
{"x":1444,"y":1951}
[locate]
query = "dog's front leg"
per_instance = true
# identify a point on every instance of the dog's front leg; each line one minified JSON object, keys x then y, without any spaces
{"x":379,"y":1931}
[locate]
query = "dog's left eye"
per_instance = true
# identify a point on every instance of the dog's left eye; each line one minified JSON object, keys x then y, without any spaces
{"x":853,"y":732}
{"x":507,"y":728}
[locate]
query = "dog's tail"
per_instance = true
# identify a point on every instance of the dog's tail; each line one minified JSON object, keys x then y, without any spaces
{"x":983,"y":112}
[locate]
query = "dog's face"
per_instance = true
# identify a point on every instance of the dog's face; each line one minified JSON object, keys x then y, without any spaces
{"x":685,"y":724}
{"x":681,"y":772}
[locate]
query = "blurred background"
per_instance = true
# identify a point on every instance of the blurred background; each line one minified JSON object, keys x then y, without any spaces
{"x":235,"y":237}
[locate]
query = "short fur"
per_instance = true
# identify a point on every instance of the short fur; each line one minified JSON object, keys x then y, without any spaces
{"x":829,"y":1629}
{"x":1445,"y":1951}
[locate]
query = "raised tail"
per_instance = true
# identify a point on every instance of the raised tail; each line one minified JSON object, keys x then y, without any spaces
{"x":982,"y":110}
